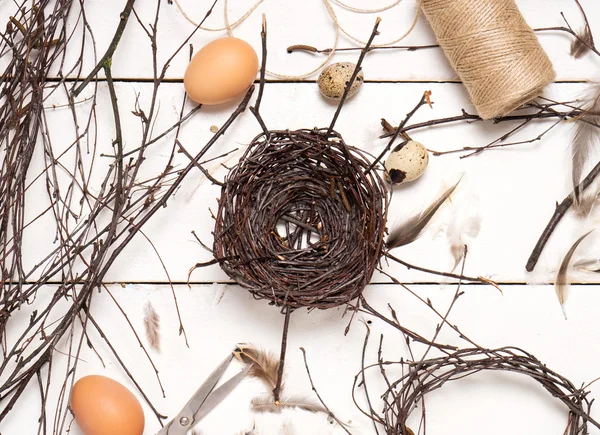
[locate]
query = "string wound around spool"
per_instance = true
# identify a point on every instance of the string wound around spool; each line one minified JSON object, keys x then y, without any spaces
{"x":494,"y":51}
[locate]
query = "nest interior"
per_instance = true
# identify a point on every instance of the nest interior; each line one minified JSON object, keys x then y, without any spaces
{"x":301,"y":219}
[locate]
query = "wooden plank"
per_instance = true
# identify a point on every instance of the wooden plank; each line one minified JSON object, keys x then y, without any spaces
{"x":309,"y":23}
{"x":516,"y":188}
{"x":527,"y":317}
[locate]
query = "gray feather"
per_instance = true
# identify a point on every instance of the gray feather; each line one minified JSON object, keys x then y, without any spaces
{"x":562,"y":280}
{"x":581,"y":45}
{"x":152,"y":326}
{"x":411,"y":229}
{"x":591,"y":265}
{"x":586,"y":141}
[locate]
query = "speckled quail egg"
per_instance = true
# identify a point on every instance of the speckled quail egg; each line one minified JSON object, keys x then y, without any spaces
{"x":406,"y":162}
{"x":333,"y":79}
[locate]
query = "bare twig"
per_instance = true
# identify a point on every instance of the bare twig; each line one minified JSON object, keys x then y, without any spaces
{"x":284,"y":337}
{"x":106,"y":60}
{"x":559,"y":212}
{"x":357,"y":69}
{"x":312,"y":385}
{"x":424,"y":100}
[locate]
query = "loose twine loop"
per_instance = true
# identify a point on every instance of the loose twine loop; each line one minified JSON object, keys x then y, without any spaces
{"x":487,"y":42}
{"x":493,"y":50}
{"x":229,"y":26}
{"x":301,"y":220}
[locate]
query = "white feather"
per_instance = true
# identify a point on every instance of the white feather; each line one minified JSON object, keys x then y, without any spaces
{"x":219,"y":293}
{"x":463,"y":223}
{"x":583,"y":268}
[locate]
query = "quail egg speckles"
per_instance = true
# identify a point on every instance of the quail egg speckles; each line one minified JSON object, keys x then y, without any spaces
{"x":406,"y":163}
{"x":333,"y":79}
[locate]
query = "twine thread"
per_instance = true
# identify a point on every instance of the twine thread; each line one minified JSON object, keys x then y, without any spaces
{"x":494,"y":51}
{"x":229,"y":26}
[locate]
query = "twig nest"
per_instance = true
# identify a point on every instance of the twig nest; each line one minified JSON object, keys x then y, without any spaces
{"x":406,"y":162}
{"x":334,"y":78}
{"x":301,"y":219}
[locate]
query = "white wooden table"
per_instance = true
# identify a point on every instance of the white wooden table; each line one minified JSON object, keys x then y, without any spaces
{"x":515,"y":189}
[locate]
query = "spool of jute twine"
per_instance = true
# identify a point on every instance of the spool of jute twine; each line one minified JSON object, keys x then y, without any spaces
{"x":494,"y":51}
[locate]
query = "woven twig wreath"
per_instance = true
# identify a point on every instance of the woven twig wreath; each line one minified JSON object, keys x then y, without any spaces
{"x":406,"y":395}
{"x":301,"y":219}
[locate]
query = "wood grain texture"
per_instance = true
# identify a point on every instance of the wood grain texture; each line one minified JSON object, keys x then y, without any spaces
{"x":524,"y":316}
{"x":517,"y":190}
{"x":308,"y":23}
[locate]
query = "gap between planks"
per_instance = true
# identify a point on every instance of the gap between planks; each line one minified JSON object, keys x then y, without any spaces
{"x":178,"y":80}
{"x":415,"y":283}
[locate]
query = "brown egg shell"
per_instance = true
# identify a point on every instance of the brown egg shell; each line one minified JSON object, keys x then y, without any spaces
{"x":102,"y":406}
{"x":221,"y":71}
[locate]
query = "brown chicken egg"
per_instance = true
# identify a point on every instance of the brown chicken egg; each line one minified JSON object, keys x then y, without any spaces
{"x":222,"y":70}
{"x":102,"y":406}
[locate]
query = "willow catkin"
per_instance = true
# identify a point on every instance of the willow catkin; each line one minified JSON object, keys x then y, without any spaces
{"x":493,"y":50}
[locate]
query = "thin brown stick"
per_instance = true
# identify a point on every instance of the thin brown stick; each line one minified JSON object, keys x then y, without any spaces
{"x":106,"y":60}
{"x":284,"y":337}
{"x":411,"y":48}
{"x":312,"y":386}
{"x":263,"y":69}
{"x":158,"y":415}
{"x":424,"y":100}
{"x":137,"y":337}
{"x":438,"y":272}
{"x":311,"y":49}
{"x":559,"y":212}
{"x":263,"y":66}
{"x":357,"y":69}
{"x":363,"y":381}
{"x":589,"y":44}
{"x":197,"y":164}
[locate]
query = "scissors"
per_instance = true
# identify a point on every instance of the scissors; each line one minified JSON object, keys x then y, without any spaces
{"x":204,"y":400}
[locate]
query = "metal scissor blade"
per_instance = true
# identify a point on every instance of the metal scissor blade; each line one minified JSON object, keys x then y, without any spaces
{"x":165,"y":429}
{"x":185,"y":419}
{"x":199,"y":397}
{"x":219,"y":394}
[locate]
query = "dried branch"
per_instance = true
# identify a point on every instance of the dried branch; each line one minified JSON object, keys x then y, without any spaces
{"x":86,"y":245}
{"x":106,"y":60}
{"x":312,"y":385}
{"x":420,"y":376}
{"x":286,"y":327}
{"x":559,"y":212}
{"x":357,"y":69}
